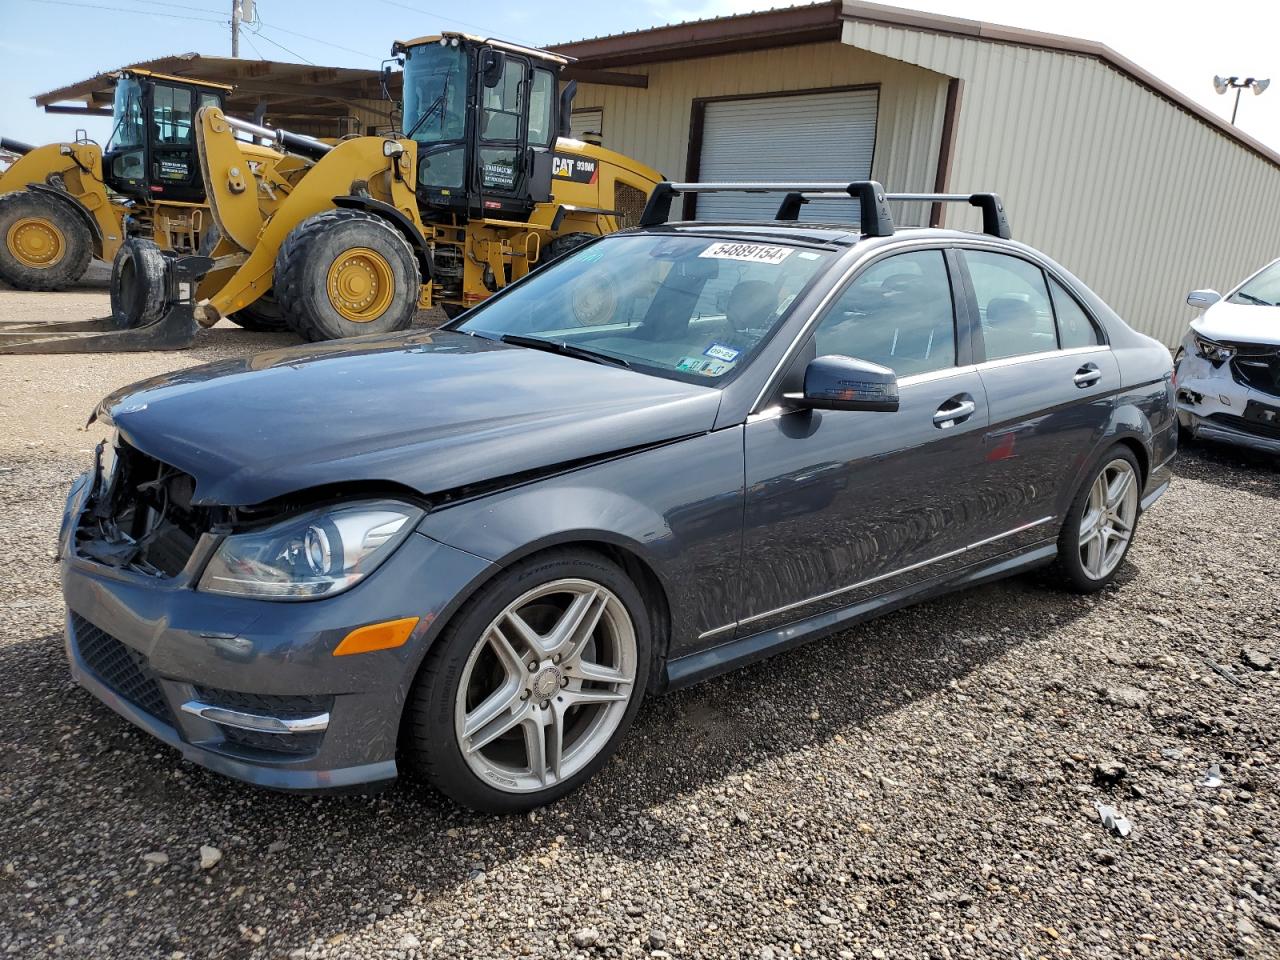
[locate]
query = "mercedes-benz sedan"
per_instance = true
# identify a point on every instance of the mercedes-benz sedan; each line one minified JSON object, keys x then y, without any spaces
{"x":675,"y":451}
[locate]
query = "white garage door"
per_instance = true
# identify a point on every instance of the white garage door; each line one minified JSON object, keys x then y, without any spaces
{"x":811,"y":136}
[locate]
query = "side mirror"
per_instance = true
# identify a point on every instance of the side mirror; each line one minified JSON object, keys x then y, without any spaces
{"x":1201,"y":299}
{"x":844,"y":383}
{"x":492,"y":63}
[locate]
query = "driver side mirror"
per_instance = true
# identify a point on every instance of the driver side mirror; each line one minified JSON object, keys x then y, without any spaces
{"x":1202,"y":299}
{"x":845,"y":383}
{"x":492,"y":63}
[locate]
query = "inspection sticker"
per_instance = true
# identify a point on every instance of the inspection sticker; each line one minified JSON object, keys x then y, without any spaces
{"x":753,"y":252}
{"x":720,"y":352}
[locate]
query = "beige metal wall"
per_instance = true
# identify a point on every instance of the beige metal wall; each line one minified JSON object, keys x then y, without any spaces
{"x":1137,"y":197}
{"x":652,"y":124}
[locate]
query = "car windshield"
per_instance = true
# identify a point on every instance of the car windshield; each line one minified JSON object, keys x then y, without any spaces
{"x":1262,"y":290}
{"x":691,"y":308}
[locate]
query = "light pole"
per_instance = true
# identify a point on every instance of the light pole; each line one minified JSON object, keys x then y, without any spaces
{"x":1223,"y":84}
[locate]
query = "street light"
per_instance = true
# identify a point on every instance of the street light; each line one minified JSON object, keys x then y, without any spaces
{"x":1223,"y":84}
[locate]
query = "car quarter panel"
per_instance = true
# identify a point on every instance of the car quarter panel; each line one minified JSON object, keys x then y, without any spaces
{"x":677,"y":507}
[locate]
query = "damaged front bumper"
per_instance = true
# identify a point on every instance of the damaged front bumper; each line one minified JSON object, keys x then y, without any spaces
{"x":1214,"y":404}
{"x":247,"y":687}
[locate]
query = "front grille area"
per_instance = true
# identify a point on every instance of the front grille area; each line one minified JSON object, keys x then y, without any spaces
{"x":629,"y":202}
{"x":121,"y":668}
{"x":272,"y":705}
{"x":1258,"y":366}
{"x":1257,"y":428}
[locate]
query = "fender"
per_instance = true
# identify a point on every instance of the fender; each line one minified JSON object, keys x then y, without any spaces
{"x":417,"y":241}
{"x":81,"y":210}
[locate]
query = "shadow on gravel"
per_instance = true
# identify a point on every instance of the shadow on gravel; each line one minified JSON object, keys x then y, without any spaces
{"x":1232,"y":468}
{"x":77,"y":772}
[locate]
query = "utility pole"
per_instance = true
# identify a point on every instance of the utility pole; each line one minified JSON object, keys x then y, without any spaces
{"x":235,"y":28}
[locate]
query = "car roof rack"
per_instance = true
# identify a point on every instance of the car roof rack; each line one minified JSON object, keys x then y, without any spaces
{"x":874,"y":221}
{"x":994,"y":221}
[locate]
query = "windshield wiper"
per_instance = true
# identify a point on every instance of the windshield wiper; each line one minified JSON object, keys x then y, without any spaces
{"x":562,"y":348}
{"x":437,"y":104}
{"x":1258,"y":300}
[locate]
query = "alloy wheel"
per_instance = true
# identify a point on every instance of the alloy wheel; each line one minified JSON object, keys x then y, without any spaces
{"x":546,"y":686}
{"x":1109,"y":517}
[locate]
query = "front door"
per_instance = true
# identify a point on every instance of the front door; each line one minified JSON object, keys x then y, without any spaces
{"x":174,"y":168}
{"x":844,"y":505}
{"x":501,"y":161}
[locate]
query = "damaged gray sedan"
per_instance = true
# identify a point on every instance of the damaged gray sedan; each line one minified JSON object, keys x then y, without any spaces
{"x":672,"y":452}
{"x":1228,"y":366}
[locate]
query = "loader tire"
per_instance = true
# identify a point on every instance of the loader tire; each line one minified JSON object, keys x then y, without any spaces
{"x":567,"y":243}
{"x":346,"y":273}
{"x":262,"y":316}
{"x":44,"y":245}
{"x":138,"y":289}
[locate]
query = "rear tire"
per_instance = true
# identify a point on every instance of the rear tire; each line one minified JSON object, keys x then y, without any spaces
{"x":138,"y":293}
{"x":586,"y":682}
{"x":346,"y":273}
{"x":561,"y":245}
{"x":262,"y":316}
{"x":1094,"y":540}
{"x":44,"y":245}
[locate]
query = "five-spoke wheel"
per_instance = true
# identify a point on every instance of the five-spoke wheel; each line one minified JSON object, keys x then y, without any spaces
{"x":528,"y":691}
{"x":1099,"y":525}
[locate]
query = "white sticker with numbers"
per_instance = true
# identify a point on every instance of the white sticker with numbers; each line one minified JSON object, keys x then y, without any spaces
{"x":751,"y":252}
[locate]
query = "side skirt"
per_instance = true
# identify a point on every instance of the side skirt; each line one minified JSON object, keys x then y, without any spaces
{"x":695,"y":667}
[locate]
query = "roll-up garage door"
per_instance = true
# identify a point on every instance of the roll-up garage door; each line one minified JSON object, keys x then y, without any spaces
{"x":809,"y":136}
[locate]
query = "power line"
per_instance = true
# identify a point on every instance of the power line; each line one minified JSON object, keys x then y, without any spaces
{"x":429,"y":13}
{"x":145,"y":13}
{"x":327,"y":43}
{"x":276,"y":43}
{"x":176,"y":6}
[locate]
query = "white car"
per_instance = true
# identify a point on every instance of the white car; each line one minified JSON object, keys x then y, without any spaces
{"x":1227,"y":370}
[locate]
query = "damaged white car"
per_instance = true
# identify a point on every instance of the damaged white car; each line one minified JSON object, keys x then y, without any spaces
{"x":1227,"y":369}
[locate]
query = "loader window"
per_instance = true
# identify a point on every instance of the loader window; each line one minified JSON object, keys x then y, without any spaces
{"x":501,"y":116}
{"x":127,"y":109}
{"x":435,"y":93}
{"x":171,"y":114}
{"x":541,"y":100}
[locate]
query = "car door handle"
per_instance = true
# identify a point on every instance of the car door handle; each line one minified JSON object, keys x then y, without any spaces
{"x":1087,"y":375}
{"x":956,"y":410}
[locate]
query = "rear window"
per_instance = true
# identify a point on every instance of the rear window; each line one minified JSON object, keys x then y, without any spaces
{"x":691,"y":308}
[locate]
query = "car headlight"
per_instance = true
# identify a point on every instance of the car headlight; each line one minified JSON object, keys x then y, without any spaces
{"x":311,"y":555}
{"x":1216,"y":353}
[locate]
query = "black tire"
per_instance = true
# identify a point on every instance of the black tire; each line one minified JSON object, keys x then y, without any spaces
{"x":317,"y":244}
{"x":428,"y":736}
{"x":138,"y":289}
{"x":1070,"y":564}
{"x":21,"y":215}
{"x":262,"y":316}
{"x":567,"y":243}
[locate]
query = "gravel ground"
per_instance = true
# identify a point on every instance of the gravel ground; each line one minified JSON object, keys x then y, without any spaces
{"x":922,"y":786}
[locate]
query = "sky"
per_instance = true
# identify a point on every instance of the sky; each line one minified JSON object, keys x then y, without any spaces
{"x":45,"y":44}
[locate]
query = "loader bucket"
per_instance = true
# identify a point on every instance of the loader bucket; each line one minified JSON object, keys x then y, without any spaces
{"x":174,"y":329}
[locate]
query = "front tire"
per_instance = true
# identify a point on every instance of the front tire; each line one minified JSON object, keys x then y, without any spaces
{"x":346,"y":273}
{"x":43,"y":244}
{"x":138,"y":289}
{"x":529,"y":690}
{"x":1101,"y":522}
{"x":262,"y":316}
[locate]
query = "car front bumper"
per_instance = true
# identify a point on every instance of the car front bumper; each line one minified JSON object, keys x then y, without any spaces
{"x":1213,"y":405}
{"x":287,"y":714}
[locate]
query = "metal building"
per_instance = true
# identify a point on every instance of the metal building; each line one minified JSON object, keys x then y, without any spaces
{"x":1138,"y":190}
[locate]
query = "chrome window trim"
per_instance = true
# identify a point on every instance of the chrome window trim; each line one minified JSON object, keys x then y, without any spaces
{"x":1042,"y":355}
{"x":876,"y":579}
{"x":257,"y":722}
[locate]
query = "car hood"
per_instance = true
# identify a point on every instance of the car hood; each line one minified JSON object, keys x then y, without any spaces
{"x":1239,"y":323}
{"x":434,"y":411}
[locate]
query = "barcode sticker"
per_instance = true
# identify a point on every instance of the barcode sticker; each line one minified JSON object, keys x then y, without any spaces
{"x":752,"y":252}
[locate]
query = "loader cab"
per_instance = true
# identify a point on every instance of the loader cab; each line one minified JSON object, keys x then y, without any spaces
{"x":152,"y":151}
{"x":485,"y":116}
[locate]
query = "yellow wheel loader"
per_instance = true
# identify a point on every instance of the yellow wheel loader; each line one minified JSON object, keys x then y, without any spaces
{"x":482,"y":185}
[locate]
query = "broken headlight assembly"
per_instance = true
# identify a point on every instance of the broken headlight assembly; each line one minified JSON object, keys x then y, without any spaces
{"x":1216,"y":353}
{"x":311,"y":555}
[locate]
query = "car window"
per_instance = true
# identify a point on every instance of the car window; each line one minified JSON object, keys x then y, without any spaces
{"x":898,"y":313}
{"x":686,"y":307}
{"x":1075,"y":329}
{"x":1013,"y":305}
{"x":1262,"y":290}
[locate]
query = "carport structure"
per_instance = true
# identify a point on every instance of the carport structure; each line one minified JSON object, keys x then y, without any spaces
{"x":316,"y":100}
{"x":1141,"y":191}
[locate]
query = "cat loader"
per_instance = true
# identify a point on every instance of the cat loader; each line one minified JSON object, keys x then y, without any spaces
{"x":481,"y":186}
{"x":139,"y":205}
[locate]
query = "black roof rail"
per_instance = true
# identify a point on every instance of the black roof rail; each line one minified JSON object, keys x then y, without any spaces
{"x":994,"y":221}
{"x":874,"y":220}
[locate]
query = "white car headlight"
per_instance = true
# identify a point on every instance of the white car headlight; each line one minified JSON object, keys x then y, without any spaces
{"x":1216,"y":353}
{"x":314,"y":554}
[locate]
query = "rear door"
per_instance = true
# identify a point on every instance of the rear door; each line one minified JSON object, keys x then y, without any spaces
{"x":845,"y":505}
{"x":1050,"y":382}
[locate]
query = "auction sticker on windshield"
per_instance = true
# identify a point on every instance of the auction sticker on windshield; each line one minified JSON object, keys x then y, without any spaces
{"x":751,"y":252}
